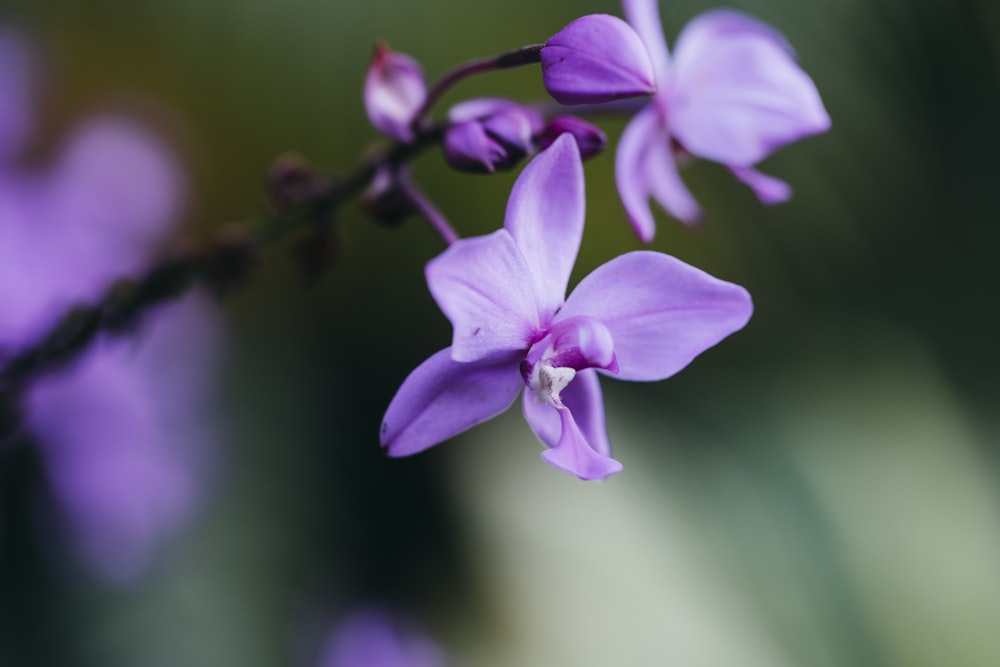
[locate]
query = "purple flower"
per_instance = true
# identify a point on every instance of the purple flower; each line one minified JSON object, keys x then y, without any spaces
{"x":642,"y":316}
{"x":488,"y":134}
{"x":732,"y":94}
{"x":373,"y":638}
{"x":122,"y":430}
{"x":394,"y":91}
{"x":126,"y":438}
{"x":596,"y":58}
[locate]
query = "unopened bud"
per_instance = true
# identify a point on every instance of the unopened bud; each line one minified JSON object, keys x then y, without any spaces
{"x":596,"y":58}
{"x":394,"y":91}
{"x":589,"y":138}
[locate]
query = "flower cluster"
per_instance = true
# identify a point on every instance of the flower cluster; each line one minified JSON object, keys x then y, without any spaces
{"x":123,"y":472}
{"x":732,"y":94}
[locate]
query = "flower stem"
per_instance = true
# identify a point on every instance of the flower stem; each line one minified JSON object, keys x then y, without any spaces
{"x":526,"y":55}
{"x":428,"y":210}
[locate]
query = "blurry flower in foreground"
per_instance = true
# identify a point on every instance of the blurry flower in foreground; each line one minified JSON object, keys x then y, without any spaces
{"x":596,"y":58}
{"x":732,"y":94}
{"x":394,"y":91}
{"x":642,"y":316}
{"x":372,"y":638}
{"x":121,"y":429}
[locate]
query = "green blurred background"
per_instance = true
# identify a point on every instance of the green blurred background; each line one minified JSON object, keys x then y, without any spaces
{"x":821,"y":490}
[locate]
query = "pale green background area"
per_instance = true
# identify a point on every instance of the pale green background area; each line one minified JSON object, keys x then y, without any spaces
{"x":821,"y":490}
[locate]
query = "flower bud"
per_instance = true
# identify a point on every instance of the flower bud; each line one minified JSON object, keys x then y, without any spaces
{"x":490,"y":133}
{"x":596,"y":58}
{"x":394,"y":91}
{"x":468,"y":147}
{"x":589,"y":138}
{"x":385,"y":199}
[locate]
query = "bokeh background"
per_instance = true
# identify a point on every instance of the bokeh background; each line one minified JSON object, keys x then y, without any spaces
{"x":821,"y":490}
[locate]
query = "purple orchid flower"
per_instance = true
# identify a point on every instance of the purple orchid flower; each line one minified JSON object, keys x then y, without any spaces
{"x":733,"y":93}
{"x":374,"y":638}
{"x":642,"y":316}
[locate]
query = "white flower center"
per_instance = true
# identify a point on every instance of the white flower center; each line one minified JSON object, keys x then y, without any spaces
{"x":548,"y":382}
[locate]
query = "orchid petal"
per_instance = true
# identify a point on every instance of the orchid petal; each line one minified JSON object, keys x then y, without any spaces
{"x":442,"y":398}
{"x":665,"y":183}
{"x":582,"y":396}
{"x":645,"y":166}
{"x":596,"y":58}
{"x":738,"y":94}
{"x":769,"y":190}
{"x":661,"y":312}
{"x":545,"y":216}
{"x":483,"y":286}
{"x":644,"y":16}
{"x":573,"y":454}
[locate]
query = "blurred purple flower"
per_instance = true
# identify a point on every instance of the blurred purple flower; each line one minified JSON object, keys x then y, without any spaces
{"x":121,"y":430}
{"x":732,"y":94}
{"x":372,"y":638}
{"x":394,"y":91}
{"x":596,"y":58}
{"x":642,"y":316}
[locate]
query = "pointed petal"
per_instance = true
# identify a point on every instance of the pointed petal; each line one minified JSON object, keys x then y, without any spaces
{"x":441,"y":398}
{"x":666,"y":186}
{"x":644,"y":167}
{"x":644,"y":16}
{"x":582,"y":396}
{"x":738,"y":94}
{"x":661,"y":312}
{"x":630,"y":172}
{"x":545,"y":216}
{"x":484,"y":287}
{"x":573,"y":454}
{"x":597,"y":58}
{"x":769,"y":190}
